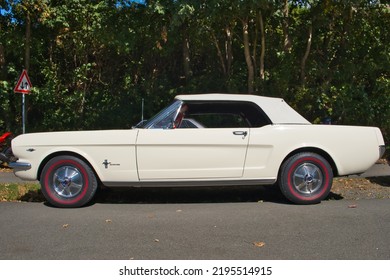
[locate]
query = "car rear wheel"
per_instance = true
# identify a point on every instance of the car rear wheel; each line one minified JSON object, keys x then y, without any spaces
{"x":68,"y":181}
{"x":305,"y":178}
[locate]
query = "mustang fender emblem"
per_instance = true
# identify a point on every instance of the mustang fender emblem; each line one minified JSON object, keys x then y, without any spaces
{"x":107,"y":163}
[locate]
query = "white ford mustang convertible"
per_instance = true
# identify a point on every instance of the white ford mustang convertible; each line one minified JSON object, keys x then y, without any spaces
{"x":227,"y":140}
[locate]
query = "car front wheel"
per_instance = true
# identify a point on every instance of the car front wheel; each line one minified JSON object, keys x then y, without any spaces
{"x":305,"y":178}
{"x":68,"y":181}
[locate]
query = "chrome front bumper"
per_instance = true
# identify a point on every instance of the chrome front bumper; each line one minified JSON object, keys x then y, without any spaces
{"x":19,"y":166}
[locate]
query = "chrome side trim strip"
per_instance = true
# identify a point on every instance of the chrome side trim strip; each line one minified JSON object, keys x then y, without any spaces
{"x":202,"y":183}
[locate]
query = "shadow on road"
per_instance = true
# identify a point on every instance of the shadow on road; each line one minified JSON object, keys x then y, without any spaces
{"x":240,"y":194}
{"x":383,"y":181}
{"x":190,"y":195}
{"x":166,"y":195}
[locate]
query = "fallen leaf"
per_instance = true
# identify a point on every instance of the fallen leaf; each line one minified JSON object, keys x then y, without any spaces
{"x":259,"y":244}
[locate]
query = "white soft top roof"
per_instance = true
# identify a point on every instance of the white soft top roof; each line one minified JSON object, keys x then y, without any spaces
{"x":276,"y":109}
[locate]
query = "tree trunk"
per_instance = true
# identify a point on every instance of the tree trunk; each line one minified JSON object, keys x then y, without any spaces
{"x":219,"y":53}
{"x":186,"y":57}
{"x":228,"y":49}
{"x":2,"y":57}
{"x":306,"y":55}
{"x":262,"y":52}
{"x":254,"y":44}
{"x":248,"y":58}
{"x":28,"y":42}
{"x":225,"y":56}
{"x":285,"y":26}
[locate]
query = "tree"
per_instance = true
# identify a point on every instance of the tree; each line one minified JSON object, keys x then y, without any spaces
{"x":92,"y":62}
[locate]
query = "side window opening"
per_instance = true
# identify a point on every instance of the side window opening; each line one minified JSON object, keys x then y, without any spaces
{"x":222,"y":115}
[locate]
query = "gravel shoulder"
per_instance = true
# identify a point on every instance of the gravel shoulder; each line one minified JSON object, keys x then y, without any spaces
{"x":374,"y":183}
{"x":361,"y":188}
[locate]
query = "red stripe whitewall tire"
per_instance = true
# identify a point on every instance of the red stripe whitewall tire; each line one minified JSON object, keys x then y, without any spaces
{"x":67,"y":181}
{"x":305,"y":178}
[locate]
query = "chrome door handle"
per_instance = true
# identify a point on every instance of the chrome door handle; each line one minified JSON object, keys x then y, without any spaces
{"x":242,"y":133}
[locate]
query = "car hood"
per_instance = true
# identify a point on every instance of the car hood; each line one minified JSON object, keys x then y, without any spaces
{"x":77,"y":138}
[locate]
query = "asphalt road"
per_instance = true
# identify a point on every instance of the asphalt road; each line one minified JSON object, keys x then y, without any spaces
{"x":251,"y":230}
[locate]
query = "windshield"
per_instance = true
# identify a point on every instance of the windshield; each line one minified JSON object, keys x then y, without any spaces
{"x":165,"y":118}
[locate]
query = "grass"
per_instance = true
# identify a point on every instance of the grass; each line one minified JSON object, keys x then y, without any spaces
{"x":20,"y":192}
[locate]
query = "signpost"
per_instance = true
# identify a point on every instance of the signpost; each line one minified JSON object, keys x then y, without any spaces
{"x":23,"y":86}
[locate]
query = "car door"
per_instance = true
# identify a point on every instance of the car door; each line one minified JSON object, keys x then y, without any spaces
{"x":191,"y":154}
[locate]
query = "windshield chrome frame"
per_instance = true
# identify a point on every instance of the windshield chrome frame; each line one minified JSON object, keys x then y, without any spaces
{"x":168,"y":114}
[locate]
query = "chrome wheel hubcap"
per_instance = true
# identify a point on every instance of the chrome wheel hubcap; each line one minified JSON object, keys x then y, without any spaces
{"x":67,"y":181}
{"x":307,"y":178}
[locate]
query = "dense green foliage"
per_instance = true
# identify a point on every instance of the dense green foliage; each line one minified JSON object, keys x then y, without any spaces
{"x":91,"y":62}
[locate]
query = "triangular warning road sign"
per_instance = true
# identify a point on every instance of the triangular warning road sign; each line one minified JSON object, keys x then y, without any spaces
{"x":24,"y":85}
